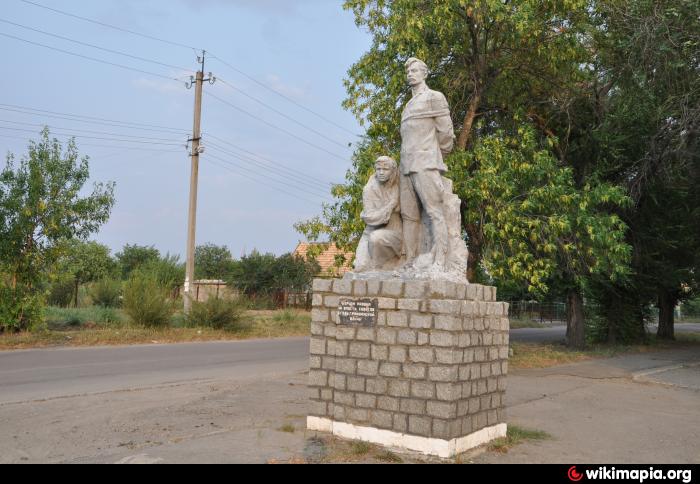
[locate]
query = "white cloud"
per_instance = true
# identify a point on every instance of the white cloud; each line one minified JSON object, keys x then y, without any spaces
{"x":163,"y":87}
{"x":290,"y":90}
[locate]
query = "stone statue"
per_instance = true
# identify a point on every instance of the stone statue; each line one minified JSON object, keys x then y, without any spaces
{"x":380,"y":246}
{"x":427,"y":201}
{"x":425,"y":241}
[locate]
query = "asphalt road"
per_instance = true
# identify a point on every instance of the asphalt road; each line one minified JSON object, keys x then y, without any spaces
{"x":51,"y":373}
{"x":557,"y":333}
{"x":228,"y":401}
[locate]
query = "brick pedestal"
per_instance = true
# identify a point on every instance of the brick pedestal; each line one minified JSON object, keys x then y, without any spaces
{"x":429,"y":376}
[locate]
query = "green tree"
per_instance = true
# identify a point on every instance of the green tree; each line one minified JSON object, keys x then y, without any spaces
{"x":490,"y":58}
{"x":266,"y":274}
{"x":41,"y":205}
{"x":212,"y":261}
{"x":642,"y":133}
{"x":134,"y":256}
{"x":85,"y":262}
{"x":504,"y":67}
{"x":168,"y":271}
{"x":541,"y":229}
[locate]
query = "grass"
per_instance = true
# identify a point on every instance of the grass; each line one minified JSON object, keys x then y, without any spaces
{"x":360,"y":448}
{"x":287,"y":428}
{"x":516,"y":435}
{"x":388,"y":457}
{"x":108,"y":327}
{"x":545,"y":355}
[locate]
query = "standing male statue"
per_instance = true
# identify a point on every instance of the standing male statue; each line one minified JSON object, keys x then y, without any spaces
{"x":426,"y":136}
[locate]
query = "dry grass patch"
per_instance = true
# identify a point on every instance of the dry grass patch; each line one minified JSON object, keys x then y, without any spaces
{"x":255,"y":324}
{"x":516,"y":435}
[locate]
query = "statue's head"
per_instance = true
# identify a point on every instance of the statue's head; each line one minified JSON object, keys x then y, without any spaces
{"x":416,"y":71}
{"x":385,"y":169}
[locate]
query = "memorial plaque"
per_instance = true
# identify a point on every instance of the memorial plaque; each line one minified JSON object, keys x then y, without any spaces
{"x":358,"y":312}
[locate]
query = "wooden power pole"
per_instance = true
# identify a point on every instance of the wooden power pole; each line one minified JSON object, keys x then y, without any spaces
{"x":198,"y":82}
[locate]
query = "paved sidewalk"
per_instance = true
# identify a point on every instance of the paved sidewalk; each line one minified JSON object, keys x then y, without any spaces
{"x":631,"y":409}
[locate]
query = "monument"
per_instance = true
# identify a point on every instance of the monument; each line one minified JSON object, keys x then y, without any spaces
{"x":404,"y":351}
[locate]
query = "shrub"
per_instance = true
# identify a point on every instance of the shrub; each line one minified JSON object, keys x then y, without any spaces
{"x":146,"y":302}
{"x":20,"y":309}
{"x":217,"y":314}
{"x":106,"y":293}
{"x":62,"y":292}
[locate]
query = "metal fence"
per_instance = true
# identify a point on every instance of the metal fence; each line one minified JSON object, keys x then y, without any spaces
{"x":547,"y":312}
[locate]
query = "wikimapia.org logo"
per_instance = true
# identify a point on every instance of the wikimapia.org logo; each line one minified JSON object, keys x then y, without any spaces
{"x":640,"y":475}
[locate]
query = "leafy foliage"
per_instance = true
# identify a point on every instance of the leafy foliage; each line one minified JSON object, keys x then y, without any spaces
{"x":41,"y":205}
{"x":540,"y":228}
{"x":106,"y":293}
{"x":212,"y":261}
{"x":146,"y":302}
{"x":257,"y":273}
{"x":132,"y":257}
{"x":216,"y":313}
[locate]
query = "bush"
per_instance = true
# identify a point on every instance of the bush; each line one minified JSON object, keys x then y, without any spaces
{"x":217,"y":314}
{"x":20,"y":309}
{"x":74,"y":318}
{"x":62,"y":292}
{"x":106,"y":293}
{"x":146,"y":302}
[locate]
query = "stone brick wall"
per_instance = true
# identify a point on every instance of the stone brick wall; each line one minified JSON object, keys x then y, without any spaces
{"x":434,"y":366}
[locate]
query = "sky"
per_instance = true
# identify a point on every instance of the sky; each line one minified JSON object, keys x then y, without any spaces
{"x":274,"y":131}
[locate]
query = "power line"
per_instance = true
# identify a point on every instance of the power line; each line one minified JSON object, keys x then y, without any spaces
{"x":89,"y":131}
{"x":257,"y":180}
{"x":287,"y":98}
{"x":91,"y":119}
{"x":93,"y":137}
{"x":285,"y":177}
{"x":121,"y":66}
{"x":67,"y":14}
{"x":300,"y":177}
{"x":289,"y":133}
{"x":139,"y":148}
{"x":74,"y":120}
{"x":282,"y":114}
{"x":111,"y":51}
{"x":325,"y":184}
{"x":189,"y":47}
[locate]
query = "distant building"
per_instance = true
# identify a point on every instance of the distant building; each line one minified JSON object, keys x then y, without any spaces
{"x":327,"y":258}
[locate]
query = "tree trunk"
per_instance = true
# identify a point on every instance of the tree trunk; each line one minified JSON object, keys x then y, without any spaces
{"x":667,"y":305}
{"x":574,"y":319}
{"x":476,"y":243}
{"x":465,"y":134}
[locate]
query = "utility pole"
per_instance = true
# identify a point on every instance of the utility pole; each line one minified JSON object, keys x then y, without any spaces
{"x":198,"y":82}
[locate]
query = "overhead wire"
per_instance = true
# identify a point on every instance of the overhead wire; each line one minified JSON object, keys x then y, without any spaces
{"x":189,"y":47}
{"x":103,"y":24}
{"x":101,"y":61}
{"x":287,"y":98}
{"x":139,"y":148}
{"x":289,"y":133}
{"x":262,"y":103}
{"x":286,"y":177}
{"x":255,"y":177}
{"x":87,"y":44}
{"x":94,"y":137}
{"x":92,"y":119}
{"x":89,"y":131}
{"x":325,"y":184}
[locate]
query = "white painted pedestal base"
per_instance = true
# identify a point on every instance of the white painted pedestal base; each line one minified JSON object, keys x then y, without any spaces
{"x":424,"y":445}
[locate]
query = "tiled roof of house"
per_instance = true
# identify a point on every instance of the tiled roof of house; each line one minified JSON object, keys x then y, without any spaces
{"x":327,"y":258}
